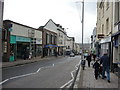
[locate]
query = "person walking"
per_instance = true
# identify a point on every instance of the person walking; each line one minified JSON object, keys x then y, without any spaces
{"x":88,"y":59}
{"x":96,"y":66}
{"x":105,"y":62}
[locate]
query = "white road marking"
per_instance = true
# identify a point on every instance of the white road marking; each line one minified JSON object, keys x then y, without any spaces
{"x":38,"y":70}
{"x":4,"y":81}
{"x":25,"y":74}
{"x":69,"y":82}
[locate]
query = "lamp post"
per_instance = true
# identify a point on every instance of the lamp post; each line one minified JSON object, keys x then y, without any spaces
{"x":82,"y":27}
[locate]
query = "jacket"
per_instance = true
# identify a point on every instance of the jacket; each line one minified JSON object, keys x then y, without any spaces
{"x":105,"y":61}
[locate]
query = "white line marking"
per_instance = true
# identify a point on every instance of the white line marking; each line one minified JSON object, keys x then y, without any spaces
{"x":25,"y":74}
{"x":3,"y":81}
{"x":69,"y":82}
{"x":38,"y":70}
{"x":66,"y":84}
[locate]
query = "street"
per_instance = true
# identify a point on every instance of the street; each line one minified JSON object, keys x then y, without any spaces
{"x":54,"y":73}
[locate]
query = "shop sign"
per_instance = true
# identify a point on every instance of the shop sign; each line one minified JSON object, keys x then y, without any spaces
{"x":38,"y":41}
{"x":22,"y":39}
{"x":105,"y":40}
{"x":12,"y":39}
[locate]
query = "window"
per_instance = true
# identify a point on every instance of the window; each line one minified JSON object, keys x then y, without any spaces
{"x":103,"y":29}
{"x":103,"y":10}
{"x":117,"y":12}
{"x":107,"y":25}
{"x":107,"y":4}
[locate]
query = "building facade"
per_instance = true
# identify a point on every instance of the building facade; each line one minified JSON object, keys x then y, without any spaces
{"x":62,"y":37}
{"x":19,"y":41}
{"x":116,"y":33}
{"x":70,"y":42}
{"x":49,"y":43}
{"x":104,"y":26}
{"x":93,"y":42}
{"x":77,"y":48}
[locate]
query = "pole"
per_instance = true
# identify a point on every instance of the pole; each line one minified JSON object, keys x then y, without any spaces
{"x":1,"y":25}
{"x":82,"y":27}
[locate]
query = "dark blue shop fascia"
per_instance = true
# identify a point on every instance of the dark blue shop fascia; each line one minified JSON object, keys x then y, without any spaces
{"x":50,"y":46}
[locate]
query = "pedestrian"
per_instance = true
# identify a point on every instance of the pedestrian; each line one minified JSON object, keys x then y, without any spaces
{"x":105,"y":62}
{"x":88,"y":58}
{"x":94,"y":56}
{"x":83,"y":64}
{"x":96,"y":67}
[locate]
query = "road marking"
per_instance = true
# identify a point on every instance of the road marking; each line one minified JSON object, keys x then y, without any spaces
{"x":70,"y":81}
{"x":38,"y":70}
{"x":4,"y":81}
{"x":25,"y":74}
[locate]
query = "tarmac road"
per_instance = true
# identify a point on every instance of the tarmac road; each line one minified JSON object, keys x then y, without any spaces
{"x":54,"y":73}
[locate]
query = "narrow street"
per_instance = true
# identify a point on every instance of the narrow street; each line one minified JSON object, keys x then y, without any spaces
{"x":43,"y":74}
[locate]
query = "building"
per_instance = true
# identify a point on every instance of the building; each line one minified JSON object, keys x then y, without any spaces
{"x":93,"y":41}
{"x":86,"y":47}
{"x":19,"y":41}
{"x":62,"y":37}
{"x":104,"y":26}
{"x":77,"y":48}
{"x":70,"y":45}
{"x":116,"y":33}
{"x":62,"y":41}
{"x":49,"y":36}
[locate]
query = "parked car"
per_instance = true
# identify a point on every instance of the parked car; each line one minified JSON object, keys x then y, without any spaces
{"x":72,"y":55}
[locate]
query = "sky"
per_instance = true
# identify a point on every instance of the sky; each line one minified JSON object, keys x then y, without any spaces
{"x":68,"y":13}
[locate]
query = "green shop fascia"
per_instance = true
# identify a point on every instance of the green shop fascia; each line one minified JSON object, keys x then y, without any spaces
{"x":13,"y":42}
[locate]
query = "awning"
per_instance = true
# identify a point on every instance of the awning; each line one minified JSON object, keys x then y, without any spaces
{"x":116,"y":34}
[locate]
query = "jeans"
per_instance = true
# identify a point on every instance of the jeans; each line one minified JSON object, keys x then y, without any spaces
{"x":107,"y":69}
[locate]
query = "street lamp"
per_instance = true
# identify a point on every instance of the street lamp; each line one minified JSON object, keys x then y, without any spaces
{"x":82,"y":26}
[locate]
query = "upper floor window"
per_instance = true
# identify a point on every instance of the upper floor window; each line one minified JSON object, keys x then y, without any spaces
{"x":107,"y":25}
{"x":103,"y":29}
{"x":117,"y":11}
{"x":107,"y":4}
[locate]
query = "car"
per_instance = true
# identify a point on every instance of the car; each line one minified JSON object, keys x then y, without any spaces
{"x":72,"y":55}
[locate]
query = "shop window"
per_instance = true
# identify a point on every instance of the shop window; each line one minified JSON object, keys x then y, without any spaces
{"x":116,"y":42}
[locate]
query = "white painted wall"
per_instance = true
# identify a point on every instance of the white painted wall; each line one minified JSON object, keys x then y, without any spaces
{"x":51,"y":27}
{"x":19,"y":30}
{"x":38,"y":34}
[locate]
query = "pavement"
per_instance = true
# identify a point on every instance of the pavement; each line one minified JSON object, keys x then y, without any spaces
{"x":87,"y":80}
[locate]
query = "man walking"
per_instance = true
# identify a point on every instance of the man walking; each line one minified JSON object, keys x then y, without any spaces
{"x":105,"y":61}
{"x":88,"y":59}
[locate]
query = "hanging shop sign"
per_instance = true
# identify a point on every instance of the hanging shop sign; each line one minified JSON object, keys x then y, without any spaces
{"x":22,"y":39}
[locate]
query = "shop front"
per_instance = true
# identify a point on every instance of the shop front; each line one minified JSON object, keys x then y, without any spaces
{"x":116,"y":48}
{"x":12,"y":48}
{"x":105,"y":45}
{"x":19,"y":47}
{"x":23,"y":47}
{"x":50,"y":50}
{"x":38,"y":47}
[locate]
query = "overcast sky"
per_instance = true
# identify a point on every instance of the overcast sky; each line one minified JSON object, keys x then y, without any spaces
{"x":36,"y":13}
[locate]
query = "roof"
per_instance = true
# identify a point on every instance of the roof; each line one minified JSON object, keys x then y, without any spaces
{"x":19,"y":24}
